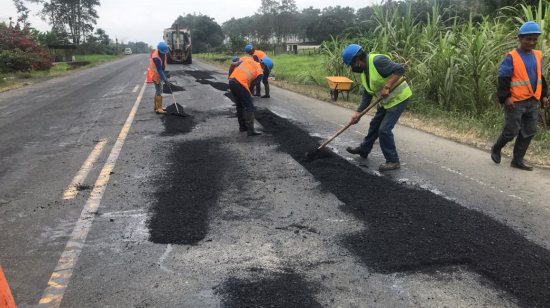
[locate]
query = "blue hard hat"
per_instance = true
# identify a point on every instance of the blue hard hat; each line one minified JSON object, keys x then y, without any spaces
{"x":163,"y":48}
{"x":235,"y":58}
{"x":529,"y":27}
{"x":349,"y":52}
{"x":247,"y":48}
{"x":268,"y":62}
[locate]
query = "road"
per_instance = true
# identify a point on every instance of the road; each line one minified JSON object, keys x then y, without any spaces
{"x":104,"y":203}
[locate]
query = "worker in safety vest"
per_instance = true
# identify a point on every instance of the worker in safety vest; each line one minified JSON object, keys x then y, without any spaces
{"x":378,"y":74}
{"x":157,"y":64}
{"x":258,"y":55}
{"x":521,"y":86}
{"x":243,"y":75}
{"x":237,"y":59}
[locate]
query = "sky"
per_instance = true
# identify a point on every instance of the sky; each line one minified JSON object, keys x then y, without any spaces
{"x":145,"y":20}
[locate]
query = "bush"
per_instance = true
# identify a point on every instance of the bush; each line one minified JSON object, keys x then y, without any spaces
{"x":20,"y":52}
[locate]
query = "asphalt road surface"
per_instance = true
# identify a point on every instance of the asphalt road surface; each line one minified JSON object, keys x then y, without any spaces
{"x":104,"y":203}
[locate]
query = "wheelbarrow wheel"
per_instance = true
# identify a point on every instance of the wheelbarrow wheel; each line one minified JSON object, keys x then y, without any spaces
{"x":334,"y":95}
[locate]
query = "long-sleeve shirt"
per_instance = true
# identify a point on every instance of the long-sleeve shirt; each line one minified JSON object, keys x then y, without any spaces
{"x":160,"y":64}
{"x":385,"y":68}
{"x":506,"y":71}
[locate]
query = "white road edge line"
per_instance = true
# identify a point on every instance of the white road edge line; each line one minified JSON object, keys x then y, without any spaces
{"x":52,"y":296}
{"x":81,"y":175}
{"x":135,"y":89}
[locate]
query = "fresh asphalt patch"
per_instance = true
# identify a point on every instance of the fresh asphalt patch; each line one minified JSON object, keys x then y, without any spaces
{"x":174,"y":125}
{"x":267,"y":289}
{"x":414,"y":230}
{"x":188,"y":191}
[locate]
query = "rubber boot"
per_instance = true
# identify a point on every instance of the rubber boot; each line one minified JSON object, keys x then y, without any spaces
{"x":266,"y":86}
{"x":158,"y":105}
{"x":249,"y":119}
{"x":240,"y":118}
{"x":497,"y":148}
{"x":258,"y":89}
{"x":520,"y":148}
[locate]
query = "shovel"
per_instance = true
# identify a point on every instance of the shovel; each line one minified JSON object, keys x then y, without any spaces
{"x":176,"y":104}
{"x":395,"y":85}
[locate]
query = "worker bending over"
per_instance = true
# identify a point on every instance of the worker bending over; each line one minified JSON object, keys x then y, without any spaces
{"x":157,"y":65}
{"x":521,"y":86}
{"x":258,"y":55}
{"x":378,"y":74}
{"x":242,"y":75}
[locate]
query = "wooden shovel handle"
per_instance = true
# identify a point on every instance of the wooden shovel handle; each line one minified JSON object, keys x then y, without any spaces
{"x":395,"y":85}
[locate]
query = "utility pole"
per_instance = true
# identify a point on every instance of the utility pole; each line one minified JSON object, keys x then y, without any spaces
{"x":116,"y":40}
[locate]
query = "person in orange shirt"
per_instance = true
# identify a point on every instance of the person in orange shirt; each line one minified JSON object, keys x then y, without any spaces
{"x":157,"y":64}
{"x":521,"y":88}
{"x":242,"y":75}
{"x":258,"y":55}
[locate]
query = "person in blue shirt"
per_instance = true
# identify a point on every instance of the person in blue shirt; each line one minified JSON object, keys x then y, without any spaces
{"x":521,"y":88}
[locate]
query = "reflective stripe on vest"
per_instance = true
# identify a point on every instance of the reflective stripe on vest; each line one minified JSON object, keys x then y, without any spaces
{"x":246,"y":72}
{"x":152,"y":68}
{"x":520,"y":86}
{"x":377,"y":83}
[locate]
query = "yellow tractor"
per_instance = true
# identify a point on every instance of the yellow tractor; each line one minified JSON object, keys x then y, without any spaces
{"x":179,"y":43}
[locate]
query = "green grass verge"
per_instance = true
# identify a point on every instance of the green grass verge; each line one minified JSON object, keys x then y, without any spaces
{"x":480,"y":131}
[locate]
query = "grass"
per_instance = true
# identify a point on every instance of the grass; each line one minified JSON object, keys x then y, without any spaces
{"x":12,"y":81}
{"x":476,"y":130}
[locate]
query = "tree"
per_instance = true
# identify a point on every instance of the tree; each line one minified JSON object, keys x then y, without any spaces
{"x":22,"y":12}
{"x":206,"y":33}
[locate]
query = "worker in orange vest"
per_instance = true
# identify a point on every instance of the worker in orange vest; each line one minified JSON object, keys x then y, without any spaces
{"x":521,"y":87}
{"x":157,"y":65}
{"x":237,"y":59}
{"x":242,"y":75}
{"x":258,"y":55}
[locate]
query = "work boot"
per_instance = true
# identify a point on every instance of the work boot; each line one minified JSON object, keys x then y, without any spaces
{"x":240,"y":118}
{"x":266,"y":91}
{"x":520,"y":148}
{"x":356,"y":151}
{"x":249,"y":119}
{"x":258,"y":90}
{"x":158,"y":105}
{"x":388,"y":166}
{"x":497,"y":148}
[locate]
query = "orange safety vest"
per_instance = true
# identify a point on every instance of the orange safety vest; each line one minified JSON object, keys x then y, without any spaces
{"x":260,"y":54}
{"x":520,"y":86}
{"x":152,"y":71}
{"x":243,"y":58}
{"x":247,"y":71}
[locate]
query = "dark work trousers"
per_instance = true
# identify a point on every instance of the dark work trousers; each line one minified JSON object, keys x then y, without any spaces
{"x":256,"y":88}
{"x":521,"y":123}
{"x":243,"y":99}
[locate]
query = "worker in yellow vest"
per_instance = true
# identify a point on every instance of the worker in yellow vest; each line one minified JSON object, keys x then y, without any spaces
{"x":156,"y":68}
{"x":258,"y":55}
{"x":243,"y":75}
{"x":378,"y":74}
{"x":521,"y":87}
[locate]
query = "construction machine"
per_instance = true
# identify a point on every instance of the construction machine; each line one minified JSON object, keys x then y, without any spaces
{"x":179,"y":43}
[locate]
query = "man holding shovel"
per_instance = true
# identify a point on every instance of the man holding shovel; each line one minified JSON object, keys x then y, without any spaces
{"x":378,"y":74}
{"x":156,"y":68}
{"x":242,"y":75}
{"x":521,"y":86}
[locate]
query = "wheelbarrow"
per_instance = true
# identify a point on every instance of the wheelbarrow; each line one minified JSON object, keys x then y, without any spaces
{"x":339,"y":84}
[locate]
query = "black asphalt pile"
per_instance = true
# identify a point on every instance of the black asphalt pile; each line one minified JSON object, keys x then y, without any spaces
{"x":174,"y":125}
{"x":188,"y":190}
{"x":408,"y":229}
{"x":174,"y":87}
{"x":273,"y":290}
{"x":203,"y":77}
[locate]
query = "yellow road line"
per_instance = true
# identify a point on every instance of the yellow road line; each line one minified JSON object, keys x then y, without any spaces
{"x":81,"y":175}
{"x":52,"y":296}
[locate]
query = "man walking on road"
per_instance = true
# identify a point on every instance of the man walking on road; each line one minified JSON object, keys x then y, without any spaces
{"x":157,"y":64}
{"x":242,"y":75}
{"x":258,"y":55}
{"x":378,"y":74}
{"x":521,"y":86}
